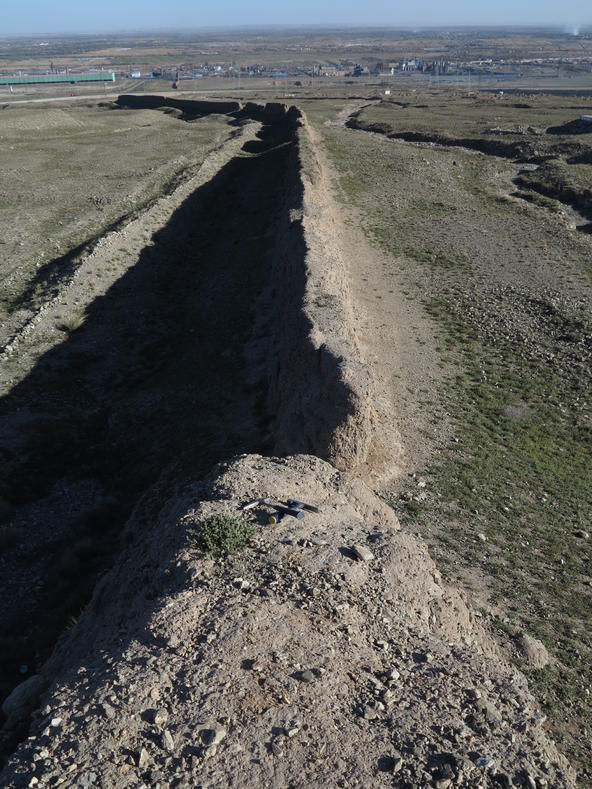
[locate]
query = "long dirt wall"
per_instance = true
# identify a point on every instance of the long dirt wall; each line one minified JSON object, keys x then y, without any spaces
{"x":319,"y":389}
{"x":304,"y":341}
{"x":186,"y":671}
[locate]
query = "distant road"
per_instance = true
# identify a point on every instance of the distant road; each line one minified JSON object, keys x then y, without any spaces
{"x":100,"y":96}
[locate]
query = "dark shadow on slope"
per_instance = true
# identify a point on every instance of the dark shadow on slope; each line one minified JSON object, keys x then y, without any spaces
{"x":577,"y":126}
{"x":154,"y":380}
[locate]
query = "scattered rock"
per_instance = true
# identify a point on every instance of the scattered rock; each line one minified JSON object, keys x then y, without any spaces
{"x":143,"y":759}
{"x":167,"y":742}
{"x":533,"y":650}
{"x":491,"y":714}
{"x":24,"y":697}
{"x":583,"y":535}
{"x":161,"y":717}
{"x":213,"y":736}
{"x":292,"y":729}
{"x":363,"y":553}
{"x":107,"y":710}
{"x":87,"y":779}
{"x":483,"y":761}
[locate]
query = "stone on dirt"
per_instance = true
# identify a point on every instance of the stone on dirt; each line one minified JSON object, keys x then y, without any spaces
{"x":533,"y":650}
{"x":363,"y":553}
{"x":24,"y":697}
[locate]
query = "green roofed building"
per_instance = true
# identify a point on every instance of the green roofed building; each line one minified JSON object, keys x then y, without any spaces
{"x":50,"y":79}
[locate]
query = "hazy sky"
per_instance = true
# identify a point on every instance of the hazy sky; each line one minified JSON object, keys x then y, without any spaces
{"x":47,"y":16}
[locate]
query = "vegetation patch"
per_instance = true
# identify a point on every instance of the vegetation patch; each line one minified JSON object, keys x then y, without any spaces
{"x":221,"y":535}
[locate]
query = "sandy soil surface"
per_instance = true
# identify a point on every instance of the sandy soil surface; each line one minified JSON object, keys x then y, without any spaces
{"x":329,"y":654}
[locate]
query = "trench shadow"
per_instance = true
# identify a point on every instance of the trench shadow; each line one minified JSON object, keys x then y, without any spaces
{"x":152,"y":386}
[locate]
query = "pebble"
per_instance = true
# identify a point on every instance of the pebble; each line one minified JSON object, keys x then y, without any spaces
{"x":483,"y":761}
{"x":167,"y":741}
{"x":107,"y":711}
{"x":307,"y":676}
{"x":363,"y":553}
{"x":482,"y":537}
{"x":161,"y":717}
{"x":143,"y":759}
{"x":87,"y":779}
{"x":473,"y":693}
{"x":292,"y":729}
{"x":214,"y":736}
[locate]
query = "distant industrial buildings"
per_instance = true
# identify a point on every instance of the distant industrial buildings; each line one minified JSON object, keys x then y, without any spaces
{"x":49,"y":79}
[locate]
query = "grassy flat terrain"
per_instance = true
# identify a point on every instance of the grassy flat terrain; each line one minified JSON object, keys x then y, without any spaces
{"x":478,"y":115}
{"x":506,"y":282}
{"x":70,"y":173}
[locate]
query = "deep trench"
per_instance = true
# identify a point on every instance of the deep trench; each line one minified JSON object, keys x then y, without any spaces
{"x":153,"y":387}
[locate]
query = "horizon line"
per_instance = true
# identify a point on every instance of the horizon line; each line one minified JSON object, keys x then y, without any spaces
{"x":565,"y":28}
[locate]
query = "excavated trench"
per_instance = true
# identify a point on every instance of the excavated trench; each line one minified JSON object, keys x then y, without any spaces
{"x":153,"y":389}
{"x":579,"y":201}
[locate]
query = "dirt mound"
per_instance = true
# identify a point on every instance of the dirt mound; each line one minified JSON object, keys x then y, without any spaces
{"x":276,"y":666}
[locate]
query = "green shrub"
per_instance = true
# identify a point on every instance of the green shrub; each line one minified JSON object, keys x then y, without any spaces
{"x":221,"y":535}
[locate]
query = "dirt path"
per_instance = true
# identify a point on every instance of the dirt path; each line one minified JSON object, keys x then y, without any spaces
{"x":396,"y":342}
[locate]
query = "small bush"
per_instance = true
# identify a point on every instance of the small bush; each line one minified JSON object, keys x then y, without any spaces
{"x":73,"y":322}
{"x":221,"y":535}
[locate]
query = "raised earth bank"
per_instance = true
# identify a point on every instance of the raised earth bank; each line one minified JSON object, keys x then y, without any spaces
{"x":202,"y":349}
{"x":329,"y":653}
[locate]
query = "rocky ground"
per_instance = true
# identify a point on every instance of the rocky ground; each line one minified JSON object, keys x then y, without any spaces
{"x":475,"y":309}
{"x":330,"y":653}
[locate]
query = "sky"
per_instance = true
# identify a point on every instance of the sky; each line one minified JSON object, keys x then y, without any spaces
{"x":28,"y":17}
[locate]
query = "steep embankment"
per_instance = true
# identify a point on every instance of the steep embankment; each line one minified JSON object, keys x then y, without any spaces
{"x":330,"y":652}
